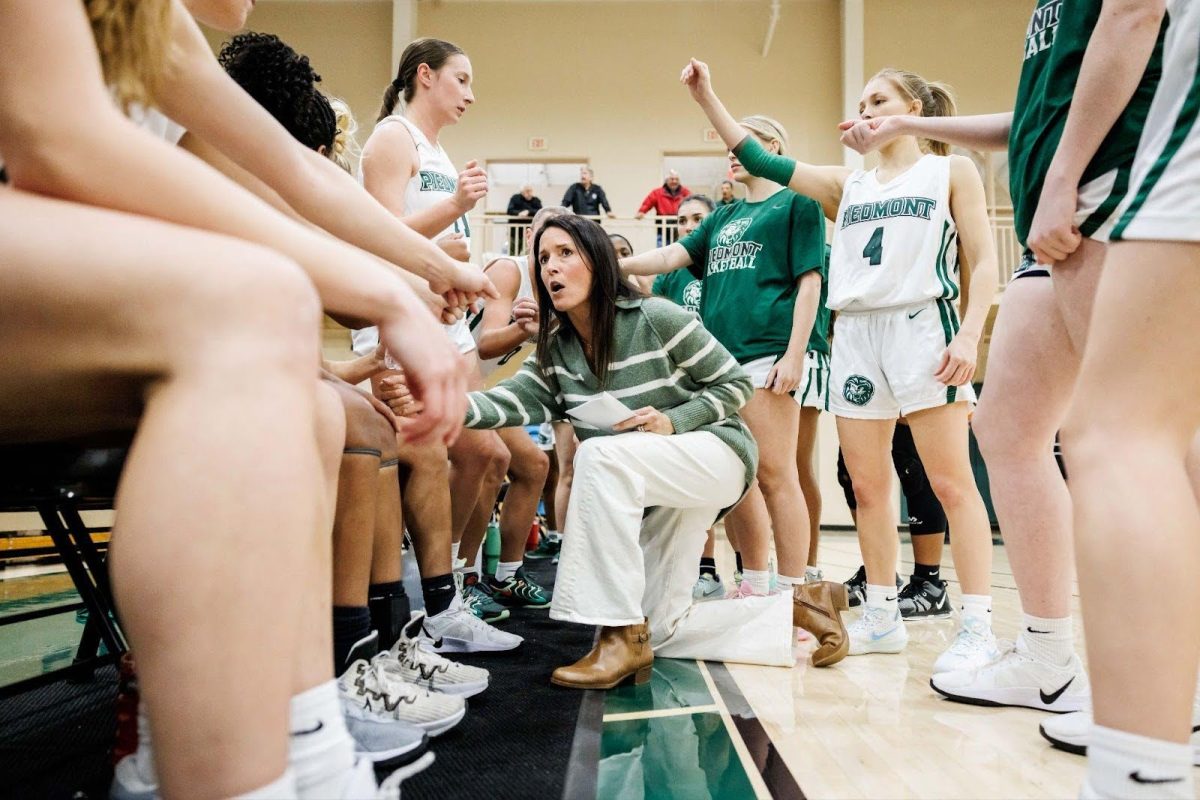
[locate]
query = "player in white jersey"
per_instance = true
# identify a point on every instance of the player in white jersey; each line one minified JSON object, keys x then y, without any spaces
{"x":899,"y":347}
{"x":1131,"y":426}
{"x":407,"y":170}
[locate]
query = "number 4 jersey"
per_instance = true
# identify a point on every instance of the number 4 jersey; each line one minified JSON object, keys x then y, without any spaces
{"x":895,"y":244}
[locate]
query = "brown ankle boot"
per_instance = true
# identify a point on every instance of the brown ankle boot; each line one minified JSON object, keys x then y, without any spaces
{"x":818,"y":607}
{"x":621,"y":653}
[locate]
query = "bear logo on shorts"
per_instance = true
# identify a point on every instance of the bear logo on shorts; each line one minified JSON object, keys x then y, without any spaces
{"x":732,"y":232}
{"x":858,"y":390}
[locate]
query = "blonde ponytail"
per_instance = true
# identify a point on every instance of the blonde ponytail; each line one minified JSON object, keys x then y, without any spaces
{"x":345,"y":151}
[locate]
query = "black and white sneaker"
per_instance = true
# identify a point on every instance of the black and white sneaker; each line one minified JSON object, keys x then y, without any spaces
{"x":856,"y":586}
{"x":924,"y":599}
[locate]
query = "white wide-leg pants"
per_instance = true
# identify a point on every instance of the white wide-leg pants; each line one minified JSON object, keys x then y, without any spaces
{"x":641,"y":504}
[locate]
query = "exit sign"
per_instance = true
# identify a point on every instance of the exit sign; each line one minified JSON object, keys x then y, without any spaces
{"x":538,"y":143}
{"x":711,"y":136}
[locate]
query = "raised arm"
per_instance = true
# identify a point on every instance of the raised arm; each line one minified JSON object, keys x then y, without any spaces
{"x":657,"y":262}
{"x":968,"y":205}
{"x":823,"y":184}
{"x":93,"y":155}
{"x":979,"y":132}
{"x":201,"y":97}
{"x":527,"y":398}
{"x":1113,"y":66}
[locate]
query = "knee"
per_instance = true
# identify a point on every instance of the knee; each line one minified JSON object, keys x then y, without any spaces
{"x":263,"y":318}
{"x":532,"y":467}
{"x":1001,"y":438}
{"x":595,"y":455}
{"x":952,"y":491}
{"x":496,"y":459}
{"x":330,"y":423}
{"x":366,"y":427}
{"x":872,"y":491}
{"x":426,"y":460}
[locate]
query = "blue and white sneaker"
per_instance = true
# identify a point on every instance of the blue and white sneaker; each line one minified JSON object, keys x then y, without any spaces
{"x":877,"y":631}
{"x":973,"y":648}
{"x":708,"y":588}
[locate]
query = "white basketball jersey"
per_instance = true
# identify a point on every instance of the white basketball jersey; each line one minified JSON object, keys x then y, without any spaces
{"x":895,"y":244}
{"x":476,"y":321}
{"x":436,"y":180}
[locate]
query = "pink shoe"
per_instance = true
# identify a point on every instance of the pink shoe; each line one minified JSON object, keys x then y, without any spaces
{"x":744,"y":589}
{"x":802,"y":635}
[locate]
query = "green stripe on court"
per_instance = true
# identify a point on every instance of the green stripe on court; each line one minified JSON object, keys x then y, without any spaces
{"x":1179,"y":134}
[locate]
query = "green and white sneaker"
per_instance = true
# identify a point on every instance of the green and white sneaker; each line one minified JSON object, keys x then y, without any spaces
{"x":548,"y":547}
{"x":477,"y":597}
{"x":519,"y":590}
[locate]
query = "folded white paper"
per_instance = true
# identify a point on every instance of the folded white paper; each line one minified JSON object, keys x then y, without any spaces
{"x":603,"y":411}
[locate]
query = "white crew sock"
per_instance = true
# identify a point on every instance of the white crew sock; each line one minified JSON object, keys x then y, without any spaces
{"x":320,"y":750}
{"x":282,"y":788}
{"x":812,"y":575}
{"x":454,"y":552}
{"x":978,"y":606}
{"x":759,"y":580}
{"x":786,"y":582}
{"x":1051,"y":641}
{"x":883,"y":597}
{"x":1127,"y":765}
{"x":553,"y":536}
{"x":506,"y":569}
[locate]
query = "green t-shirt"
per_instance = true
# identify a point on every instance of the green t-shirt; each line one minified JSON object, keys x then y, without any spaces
{"x":680,"y":287}
{"x":750,"y":256}
{"x":1055,"y":42}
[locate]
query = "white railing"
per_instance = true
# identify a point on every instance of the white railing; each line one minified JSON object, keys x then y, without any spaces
{"x":497,"y":234}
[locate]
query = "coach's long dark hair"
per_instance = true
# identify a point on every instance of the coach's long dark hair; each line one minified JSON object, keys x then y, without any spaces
{"x":592,"y":242}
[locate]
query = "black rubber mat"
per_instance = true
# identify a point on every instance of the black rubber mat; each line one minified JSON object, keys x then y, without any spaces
{"x":516,"y":739}
{"x":54,"y":740}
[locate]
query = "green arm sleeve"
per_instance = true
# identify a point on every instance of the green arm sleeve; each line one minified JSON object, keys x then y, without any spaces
{"x":761,"y":164}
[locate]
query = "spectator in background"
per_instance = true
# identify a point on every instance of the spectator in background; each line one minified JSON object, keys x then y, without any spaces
{"x":665,"y":201}
{"x":727,"y":197}
{"x":521,"y":208}
{"x":586,"y":198}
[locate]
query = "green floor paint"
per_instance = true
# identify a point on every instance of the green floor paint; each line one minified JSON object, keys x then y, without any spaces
{"x":683,"y":757}
{"x":34,"y":647}
{"x":675,"y":684}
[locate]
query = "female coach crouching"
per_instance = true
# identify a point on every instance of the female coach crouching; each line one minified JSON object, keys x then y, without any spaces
{"x":642,"y":500}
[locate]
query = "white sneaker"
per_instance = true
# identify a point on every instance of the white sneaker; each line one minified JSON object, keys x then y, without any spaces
{"x":1070,"y":732}
{"x":973,"y":648}
{"x":457,"y":630}
{"x":410,"y":662}
{"x":877,"y":632}
{"x":361,"y":785}
{"x":1017,"y":679}
{"x":368,"y":689}
{"x":708,"y":588}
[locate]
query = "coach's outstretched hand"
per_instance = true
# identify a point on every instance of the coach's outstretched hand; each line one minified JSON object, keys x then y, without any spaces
{"x":435,"y":374}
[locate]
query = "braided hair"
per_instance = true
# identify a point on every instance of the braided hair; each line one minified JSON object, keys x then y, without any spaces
{"x":284,"y":83}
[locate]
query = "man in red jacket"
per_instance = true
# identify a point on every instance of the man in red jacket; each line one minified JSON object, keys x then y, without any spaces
{"x":665,"y":201}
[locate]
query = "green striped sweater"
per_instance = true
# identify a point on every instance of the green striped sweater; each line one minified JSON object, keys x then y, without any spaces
{"x":664,"y":358}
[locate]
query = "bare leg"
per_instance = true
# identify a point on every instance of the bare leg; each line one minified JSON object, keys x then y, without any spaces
{"x":565,"y":445}
{"x":485,"y":448}
{"x":216,"y":354}
{"x":753,"y":525}
{"x":867,"y":450}
{"x":941,"y":438}
{"x":927,"y":548}
{"x":1032,"y":367}
{"x":774,"y":419}
{"x":549,"y":490}
{"x":810,"y":485}
{"x":424,"y":475}
{"x":1134,"y":417}
{"x":527,"y":474}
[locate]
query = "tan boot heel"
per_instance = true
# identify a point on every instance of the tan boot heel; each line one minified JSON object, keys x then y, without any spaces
{"x":642,"y":676}
{"x":839,"y":596}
